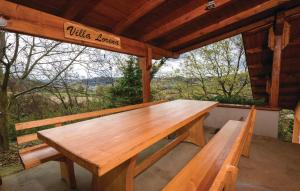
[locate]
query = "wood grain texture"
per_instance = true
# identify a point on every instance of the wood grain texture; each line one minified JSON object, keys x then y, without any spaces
{"x":77,"y":10}
{"x":41,"y":24}
{"x":27,"y":138}
{"x":148,"y":6}
{"x":264,"y":22}
{"x":38,"y":156}
{"x":246,"y":149}
{"x":58,"y":121}
{"x":181,"y":20}
{"x":35,"y":155}
{"x":67,"y":172}
{"x":221,"y":182}
{"x":111,"y":140}
{"x":145,"y":64}
{"x":203,"y":168}
{"x":214,"y":167}
{"x":196,"y":132}
{"x":228,"y":21}
{"x":119,"y":179}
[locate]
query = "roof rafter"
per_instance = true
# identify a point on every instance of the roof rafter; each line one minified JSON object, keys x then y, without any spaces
{"x":148,"y":6}
{"x":183,"y":19}
{"x":228,"y":21}
{"x":78,"y":9}
{"x":265,"y":22}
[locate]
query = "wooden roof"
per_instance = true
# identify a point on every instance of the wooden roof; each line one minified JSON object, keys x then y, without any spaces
{"x":173,"y":27}
{"x":260,"y":58}
{"x":170,"y":24}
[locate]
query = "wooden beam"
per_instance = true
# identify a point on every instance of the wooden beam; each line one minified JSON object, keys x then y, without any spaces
{"x":77,"y":10}
{"x":36,"y":23}
{"x":181,"y":20}
{"x":148,"y":6}
{"x":279,"y":37}
{"x":228,"y":21}
{"x":273,"y":100}
{"x":145,"y":65}
{"x":264,"y":22}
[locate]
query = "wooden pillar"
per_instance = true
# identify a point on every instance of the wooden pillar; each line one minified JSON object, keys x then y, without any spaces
{"x":278,"y":40}
{"x":145,"y":65}
{"x":196,"y":132}
{"x":274,"y":94}
{"x":296,"y":130}
{"x":120,"y":178}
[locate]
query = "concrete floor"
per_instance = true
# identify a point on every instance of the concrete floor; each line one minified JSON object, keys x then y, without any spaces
{"x":273,"y":165}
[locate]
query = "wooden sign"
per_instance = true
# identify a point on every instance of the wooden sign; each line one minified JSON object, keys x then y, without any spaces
{"x":82,"y":33}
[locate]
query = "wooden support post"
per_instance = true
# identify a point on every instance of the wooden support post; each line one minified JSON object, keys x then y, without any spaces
{"x":278,"y":40}
{"x":196,"y":132}
{"x":67,"y":172}
{"x":231,"y":178}
{"x":120,"y":178}
{"x":296,"y":130}
{"x":274,"y":96}
{"x":145,"y":65}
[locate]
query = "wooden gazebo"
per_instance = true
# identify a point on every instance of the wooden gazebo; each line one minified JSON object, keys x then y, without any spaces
{"x":153,"y":29}
{"x":160,"y":28}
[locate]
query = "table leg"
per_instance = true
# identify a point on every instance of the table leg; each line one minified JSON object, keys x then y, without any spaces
{"x":196,"y":132}
{"x":119,"y":179}
{"x":67,"y":172}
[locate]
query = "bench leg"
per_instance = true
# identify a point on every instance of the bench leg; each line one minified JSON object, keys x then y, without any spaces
{"x":246,"y":149}
{"x":196,"y":132}
{"x":231,"y":179}
{"x":119,"y":179}
{"x":67,"y":172}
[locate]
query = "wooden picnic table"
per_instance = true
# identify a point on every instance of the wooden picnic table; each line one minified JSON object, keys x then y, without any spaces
{"x":108,"y":146}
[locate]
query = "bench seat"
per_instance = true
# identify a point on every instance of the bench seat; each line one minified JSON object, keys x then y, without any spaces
{"x":38,"y":155}
{"x":200,"y":172}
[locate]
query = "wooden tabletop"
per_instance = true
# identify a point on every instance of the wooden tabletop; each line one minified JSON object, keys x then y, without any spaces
{"x":103,"y":143}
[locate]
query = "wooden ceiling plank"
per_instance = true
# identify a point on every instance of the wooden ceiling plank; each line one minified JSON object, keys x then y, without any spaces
{"x":78,"y":9}
{"x":183,"y":19}
{"x":230,"y":20}
{"x":148,"y":6}
{"x":29,"y":21}
{"x":265,"y":22}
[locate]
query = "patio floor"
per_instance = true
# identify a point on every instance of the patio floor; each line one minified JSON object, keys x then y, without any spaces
{"x":273,"y":165}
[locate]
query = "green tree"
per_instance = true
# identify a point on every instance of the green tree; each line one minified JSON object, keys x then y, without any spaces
{"x":220,"y":68}
{"x":24,"y":61}
{"x":128,"y":88}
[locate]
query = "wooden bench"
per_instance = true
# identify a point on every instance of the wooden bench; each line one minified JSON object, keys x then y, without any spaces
{"x":40,"y":153}
{"x":215,"y":166}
